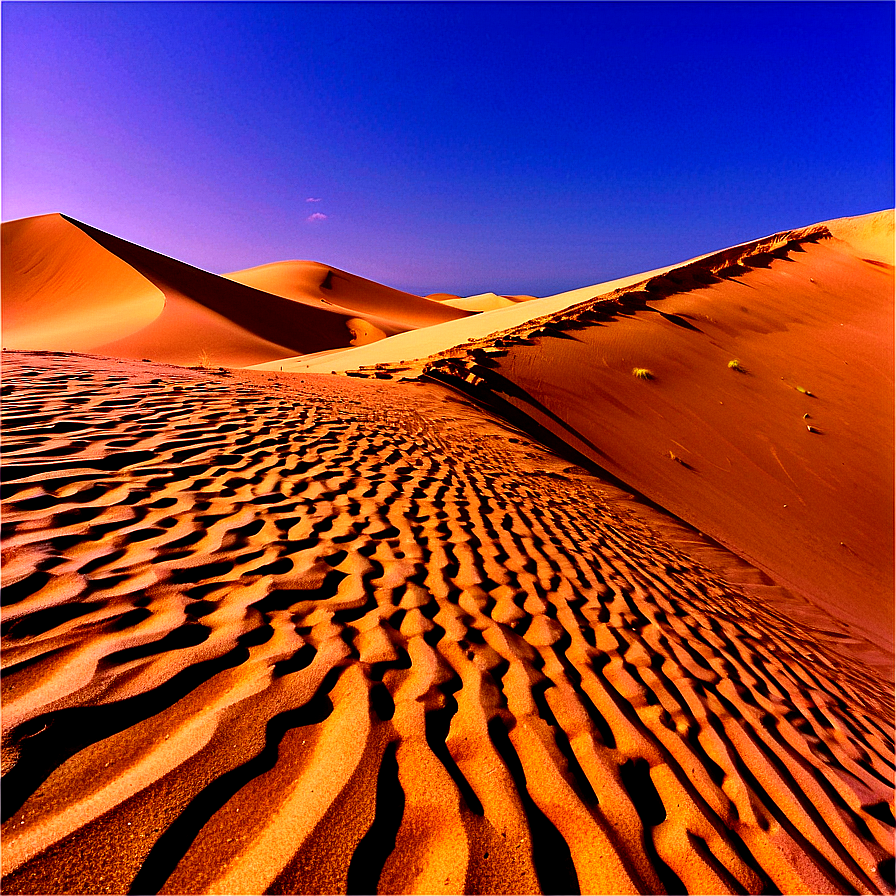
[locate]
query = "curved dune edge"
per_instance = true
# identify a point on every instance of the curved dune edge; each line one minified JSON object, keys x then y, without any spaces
{"x":265,"y":634}
{"x":61,"y":290}
{"x":311,"y":282}
{"x":68,"y":286}
{"x":872,"y":236}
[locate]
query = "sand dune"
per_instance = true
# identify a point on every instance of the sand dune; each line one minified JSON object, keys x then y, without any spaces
{"x":62,"y":290}
{"x":486,"y":301}
{"x":767,"y":418}
{"x":303,"y":633}
{"x":871,"y":234}
{"x":264,"y":634}
{"x":783,"y":457}
{"x":313,"y":283}
{"x":422,"y":343}
{"x":69,"y":286}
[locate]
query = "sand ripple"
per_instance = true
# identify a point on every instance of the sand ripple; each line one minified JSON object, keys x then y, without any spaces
{"x":264,"y":635}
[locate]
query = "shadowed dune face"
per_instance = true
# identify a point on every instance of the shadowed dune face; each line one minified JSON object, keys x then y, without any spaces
{"x":764,"y":413}
{"x":270,"y":635}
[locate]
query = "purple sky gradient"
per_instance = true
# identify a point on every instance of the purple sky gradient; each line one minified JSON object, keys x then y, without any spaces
{"x":465,"y":147}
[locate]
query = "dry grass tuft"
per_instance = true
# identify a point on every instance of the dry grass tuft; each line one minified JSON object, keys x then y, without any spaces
{"x":642,"y":373}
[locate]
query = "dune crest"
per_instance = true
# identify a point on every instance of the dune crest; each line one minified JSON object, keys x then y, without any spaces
{"x":766,"y":418}
{"x":312,"y":282}
{"x":486,"y":301}
{"x":872,"y":235}
{"x":61,"y":290}
{"x":70,"y":286}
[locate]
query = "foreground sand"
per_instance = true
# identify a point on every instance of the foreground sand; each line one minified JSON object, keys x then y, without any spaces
{"x":265,"y":633}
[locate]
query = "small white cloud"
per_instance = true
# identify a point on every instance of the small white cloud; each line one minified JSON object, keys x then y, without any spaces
{"x":317,"y":216}
{"x":312,"y":200}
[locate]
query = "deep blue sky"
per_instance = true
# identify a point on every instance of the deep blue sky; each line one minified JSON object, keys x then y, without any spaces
{"x":457,"y":147}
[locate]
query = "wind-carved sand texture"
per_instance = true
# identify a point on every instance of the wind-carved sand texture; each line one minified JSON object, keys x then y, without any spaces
{"x":328,"y":635}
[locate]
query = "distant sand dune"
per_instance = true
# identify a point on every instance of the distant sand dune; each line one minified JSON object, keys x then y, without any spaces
{"x":271,"y":635}
{"x":313,"y":283}
{"x":486,"y":301}
{"x":69,"y":286}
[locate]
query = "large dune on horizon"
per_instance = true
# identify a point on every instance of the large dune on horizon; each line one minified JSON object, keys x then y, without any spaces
{"x":71,"y":287}
{"x":316,"y":283}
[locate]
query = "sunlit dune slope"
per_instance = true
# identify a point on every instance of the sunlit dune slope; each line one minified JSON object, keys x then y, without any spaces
{"x":765,"y":413}
{"x":420,"y":344}
{"x":486,"y":301}
{"x":226,"y":319}
{"x":311,"y":282}
{"x":871,"y":236}
{"x":62,"y":290}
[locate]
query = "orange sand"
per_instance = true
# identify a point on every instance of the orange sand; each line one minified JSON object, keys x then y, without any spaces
{"x":788,"y":458}
{"x":313,"y":283}
{"x":300,"y":633}
{"x":68,"y":286}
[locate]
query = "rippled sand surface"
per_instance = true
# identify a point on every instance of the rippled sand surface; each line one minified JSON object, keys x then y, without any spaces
{"x":317,"y":635}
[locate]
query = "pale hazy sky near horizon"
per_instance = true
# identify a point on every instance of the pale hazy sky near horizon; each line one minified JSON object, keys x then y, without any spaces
{"x":460,"y":147}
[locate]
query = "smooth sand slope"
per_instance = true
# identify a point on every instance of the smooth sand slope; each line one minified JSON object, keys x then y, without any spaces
{"x":68,"y":286}
{"x":62,"y":290}
{"x":313,"y":283}
{"x":323,"y":635}
{"x":486,"y":301}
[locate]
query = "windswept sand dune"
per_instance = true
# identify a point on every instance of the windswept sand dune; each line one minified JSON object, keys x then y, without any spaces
{"x":486,"y":301}
{"x":264,"y":634}
{"x":422,"y":343}
{"x":871,"y":234}
{"x":62,"y":290}
{"x":314,"y":283}
{"x":69,"y":286}
{"x":766,"y":415}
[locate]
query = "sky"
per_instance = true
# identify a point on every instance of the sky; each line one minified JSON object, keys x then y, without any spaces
{"x":447,"y":147}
